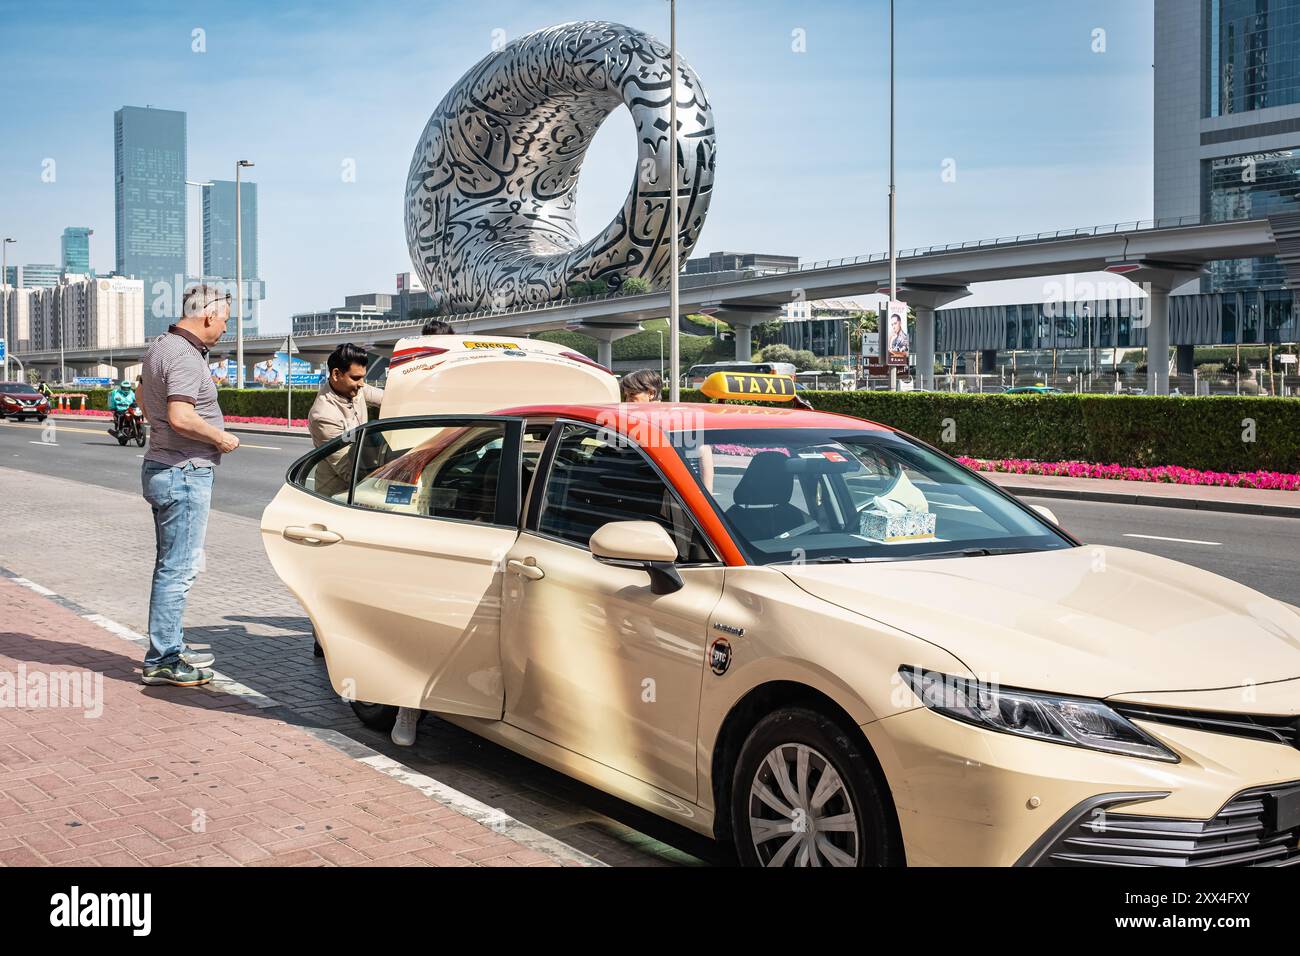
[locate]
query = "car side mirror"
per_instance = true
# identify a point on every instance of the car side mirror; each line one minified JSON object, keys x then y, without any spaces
{"x":639,"y":544}
{"x":1046,"y":513}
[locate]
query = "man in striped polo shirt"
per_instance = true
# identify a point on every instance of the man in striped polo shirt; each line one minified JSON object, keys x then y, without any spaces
{"x":186,"y":442}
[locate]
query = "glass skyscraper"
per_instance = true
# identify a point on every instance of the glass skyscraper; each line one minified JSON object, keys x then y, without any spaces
{"x":76,"y":250}
{"x":219,"y":242}
{"x":1227,"y":120}
{"x":149,"y":185}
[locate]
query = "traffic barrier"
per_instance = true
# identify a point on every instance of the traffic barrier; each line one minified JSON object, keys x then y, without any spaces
{"x":63,"y":401}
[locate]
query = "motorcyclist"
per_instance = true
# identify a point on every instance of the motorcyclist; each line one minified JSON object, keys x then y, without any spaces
{"x":120,"y":400}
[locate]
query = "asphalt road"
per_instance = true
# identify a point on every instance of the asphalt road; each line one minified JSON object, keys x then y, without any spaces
{"x":1260,"y":551}
{"x":84,"y":451}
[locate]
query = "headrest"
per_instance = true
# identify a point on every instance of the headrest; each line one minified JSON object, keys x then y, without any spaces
{"x":767,"y":481}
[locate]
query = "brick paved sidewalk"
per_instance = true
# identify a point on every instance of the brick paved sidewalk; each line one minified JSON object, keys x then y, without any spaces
{"x":138,"y":775}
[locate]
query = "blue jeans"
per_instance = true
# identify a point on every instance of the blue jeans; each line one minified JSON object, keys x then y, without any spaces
{"x":180,"y":497}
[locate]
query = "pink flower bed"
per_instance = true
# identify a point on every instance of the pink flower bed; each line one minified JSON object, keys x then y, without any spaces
{"x":1169,"y":474}
{"x":233,"y":419}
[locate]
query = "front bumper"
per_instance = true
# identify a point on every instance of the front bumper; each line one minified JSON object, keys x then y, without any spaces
{"x":967,"y":796}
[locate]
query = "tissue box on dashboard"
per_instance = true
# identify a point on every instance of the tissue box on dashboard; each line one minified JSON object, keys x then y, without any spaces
{"x":896,"y":526}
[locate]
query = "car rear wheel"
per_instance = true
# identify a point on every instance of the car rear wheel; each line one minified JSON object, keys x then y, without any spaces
{"x":804,"y":794}
{"x":379,"y":717}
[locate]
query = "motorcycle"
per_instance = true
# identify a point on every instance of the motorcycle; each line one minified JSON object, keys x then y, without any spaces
{"x":132,"y":427}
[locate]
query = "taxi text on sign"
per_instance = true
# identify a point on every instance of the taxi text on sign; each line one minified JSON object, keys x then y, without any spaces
{"x":750,"y":386}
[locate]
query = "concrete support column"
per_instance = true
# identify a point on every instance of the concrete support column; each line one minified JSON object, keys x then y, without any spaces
{"x":742,"y":318}
{"x":1158,"y":341}
{"x":744,"y":341}
{"x":605,"y":336}
{"x":923,"y":346}
{"x":924,"y":298}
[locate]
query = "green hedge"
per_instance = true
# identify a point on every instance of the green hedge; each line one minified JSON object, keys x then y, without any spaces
{"x":1142,"y":431}
{"x":1138,"y":430}
{"x":248,"y":402}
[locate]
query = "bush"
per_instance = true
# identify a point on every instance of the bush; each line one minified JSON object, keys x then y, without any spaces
{"x":250,"y":402}
{"x":1135,"y":430}
{"x":634,"y":285}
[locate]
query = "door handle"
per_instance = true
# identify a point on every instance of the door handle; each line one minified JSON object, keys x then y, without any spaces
{"x":315,"y":535}
{"x":525,"y":570}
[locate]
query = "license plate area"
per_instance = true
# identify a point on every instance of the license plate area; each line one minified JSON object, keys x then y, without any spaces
{"x":1282,"y":810}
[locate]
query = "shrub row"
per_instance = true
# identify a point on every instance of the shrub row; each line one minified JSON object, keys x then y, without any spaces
{"x":250,"y":402}
{"x":1219,"y":433}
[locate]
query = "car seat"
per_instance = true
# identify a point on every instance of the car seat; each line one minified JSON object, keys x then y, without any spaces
{"x":761,"y":506}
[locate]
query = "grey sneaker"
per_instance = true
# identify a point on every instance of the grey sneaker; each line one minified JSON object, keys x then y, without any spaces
{"x":198,"y":658}
{"x":179,"y":674}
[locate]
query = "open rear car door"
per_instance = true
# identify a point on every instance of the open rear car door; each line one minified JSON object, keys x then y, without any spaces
{"x":392,"y":539}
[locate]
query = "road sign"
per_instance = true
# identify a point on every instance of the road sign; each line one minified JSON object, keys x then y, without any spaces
{"x":2,"y":349}
{"x":1286,"y":359}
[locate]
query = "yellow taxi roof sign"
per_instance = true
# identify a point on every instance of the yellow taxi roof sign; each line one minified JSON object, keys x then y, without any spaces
{"x":751,"y":386}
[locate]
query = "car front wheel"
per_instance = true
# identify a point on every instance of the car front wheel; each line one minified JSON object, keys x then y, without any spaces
{"x":804,"y":794}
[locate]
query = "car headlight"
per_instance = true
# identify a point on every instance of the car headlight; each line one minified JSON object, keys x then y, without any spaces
{"x":1074,"y":721}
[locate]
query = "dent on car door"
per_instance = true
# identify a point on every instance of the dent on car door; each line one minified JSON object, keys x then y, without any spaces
{"x":594,"y":660}
{"x":401,"y":569}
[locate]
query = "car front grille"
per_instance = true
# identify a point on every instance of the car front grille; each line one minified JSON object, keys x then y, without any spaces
{"x":1279,"y":730}
{"x":1241,"y":834}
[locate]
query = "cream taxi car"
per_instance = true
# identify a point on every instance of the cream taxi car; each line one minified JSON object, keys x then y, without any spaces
{"x":802,"y":632}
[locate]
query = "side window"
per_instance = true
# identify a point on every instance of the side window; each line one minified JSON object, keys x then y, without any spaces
{"x":437,"y":471}
{"x":329,"y":472}
{"x":598,"y":477}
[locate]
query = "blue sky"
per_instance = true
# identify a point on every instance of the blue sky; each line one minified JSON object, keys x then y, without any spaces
{"x":1043,"y":132}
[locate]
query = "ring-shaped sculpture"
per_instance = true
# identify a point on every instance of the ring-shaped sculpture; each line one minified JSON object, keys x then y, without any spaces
{"x":490,"y":199}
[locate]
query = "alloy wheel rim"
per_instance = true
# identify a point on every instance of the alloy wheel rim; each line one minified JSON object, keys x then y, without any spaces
{"x":800,"y":811}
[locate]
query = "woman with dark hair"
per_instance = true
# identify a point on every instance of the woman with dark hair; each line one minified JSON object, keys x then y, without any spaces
{"x":643,"y":385}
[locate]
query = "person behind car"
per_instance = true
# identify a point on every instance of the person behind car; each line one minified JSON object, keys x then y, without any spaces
{"x":344,"y":404}
{"x":437,"y":327}
{"x":120,"y":400}
{"x":647,"y":385}
{"x":643,"y":385}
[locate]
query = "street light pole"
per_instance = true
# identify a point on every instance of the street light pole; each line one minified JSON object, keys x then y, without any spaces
{"x":893,"y":260}
{"x":674,"y":340}
{"x":4,"y":284}
{"x":239,"y":274}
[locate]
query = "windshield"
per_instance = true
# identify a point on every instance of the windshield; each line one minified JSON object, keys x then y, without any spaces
{"x":16,"y":388}
{"x":806,"y":494}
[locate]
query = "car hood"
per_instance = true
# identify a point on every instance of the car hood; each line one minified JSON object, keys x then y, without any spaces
{"x":1090,"y":621}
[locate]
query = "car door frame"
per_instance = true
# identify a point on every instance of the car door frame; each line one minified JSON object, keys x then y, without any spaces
{"x":505,"y":518}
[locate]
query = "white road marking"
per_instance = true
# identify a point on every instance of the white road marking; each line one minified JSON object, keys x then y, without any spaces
{"x":1156,"y":537}
{"x":52,"y":444}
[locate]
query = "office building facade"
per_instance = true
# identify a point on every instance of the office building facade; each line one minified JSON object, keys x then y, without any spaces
{"x":149,"y":193}
{"x":1227,"y":121}
{"x":219,"y":216}
{"x":76,"y":250}
{"x":88,"y":312}
{"x":40,"y":275}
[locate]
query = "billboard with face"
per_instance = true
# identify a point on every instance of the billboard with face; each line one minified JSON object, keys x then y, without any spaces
{"x":894,"y":340}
